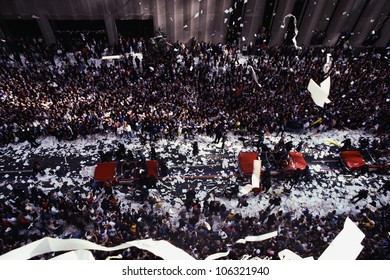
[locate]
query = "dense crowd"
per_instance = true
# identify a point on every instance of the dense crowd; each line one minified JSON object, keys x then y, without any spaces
{"x":202,"y":228}
{"x":195,"y":88}
{"x":49,"y":91}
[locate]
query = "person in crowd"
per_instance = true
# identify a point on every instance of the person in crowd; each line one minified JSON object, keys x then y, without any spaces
{"x":362,"y":194}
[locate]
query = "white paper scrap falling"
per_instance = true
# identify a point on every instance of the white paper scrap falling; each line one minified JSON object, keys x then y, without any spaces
{"x":328,"y":63}
{"x":185,"y":26}
{"x":254,"y":75}
{"x":294,"y":39}
{"x":111,"y":57}
{"x":347,"y":244}
{"x":196,"y":15}
{"x":225,"y":20}
{"x":160,"y":248}
{"x":320,"y":94}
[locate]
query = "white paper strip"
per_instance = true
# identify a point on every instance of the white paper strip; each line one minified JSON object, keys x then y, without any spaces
{"x":319,"y":94}
{"x":346,"y":245}
{"x":254,"y":75}
{"x":257,"y":238}
{"x":111,"y":57}
{"x":160,"y":248}
{"x":294,"y":39}
{"x":256,"y":173}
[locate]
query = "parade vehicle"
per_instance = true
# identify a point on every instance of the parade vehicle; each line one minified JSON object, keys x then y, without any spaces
{"x":125,"y":172}
{"x":366,"y":160}
{"x":294,"y":161}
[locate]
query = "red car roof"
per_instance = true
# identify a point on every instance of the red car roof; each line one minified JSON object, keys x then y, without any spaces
{"x":105,"y":171}
{"x":152,"y":168}
{"x":352,"y":160}
{"x":297,"y":161}
{"x":245,"y":162}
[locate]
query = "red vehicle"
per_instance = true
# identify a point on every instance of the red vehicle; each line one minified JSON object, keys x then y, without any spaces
{"x":374,"y":161}
{"x":124,"y":172}
{"x":294,"y":161}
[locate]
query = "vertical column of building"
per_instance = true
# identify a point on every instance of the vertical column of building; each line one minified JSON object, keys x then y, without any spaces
{"x":195,"y":15}
{"x":311,"y":18}
{"x":180,"y":29}
{"x":284,"y":8}
{"x":367,"y":21}
{"x":385,"y":36}
{"x":168,"y":8}
{"x":46,"y":30}
{"x":158,"y":12}
{"x":111,"y":30}
{"x":253,"y":20}
{"x":210,"y":20}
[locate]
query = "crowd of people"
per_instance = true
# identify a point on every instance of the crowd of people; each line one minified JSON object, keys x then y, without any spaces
{"x":202,"y":228}
{"x":182,"y":89}
{"x":49,"y":91}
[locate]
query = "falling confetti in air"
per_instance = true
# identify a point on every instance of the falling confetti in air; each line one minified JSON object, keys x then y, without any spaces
{"x":328,"y":63}
{"x":294,"y":39}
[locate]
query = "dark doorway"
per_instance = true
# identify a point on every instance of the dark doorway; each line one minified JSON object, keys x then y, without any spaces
{"x":16,"y":28}
{"x":135,"y":28}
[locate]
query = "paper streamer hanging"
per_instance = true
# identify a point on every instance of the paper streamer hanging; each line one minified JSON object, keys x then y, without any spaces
{"x":255,"y":179}
{"x":256,"y":173}
{"x":320,"y":94}
{"x":160,"y":248}
{"x":254,"y":75}
{"x":256,"y":238}
{"x":294,"y":39}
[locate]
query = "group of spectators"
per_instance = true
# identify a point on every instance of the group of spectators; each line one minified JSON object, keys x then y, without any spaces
{"x":53,"y":91}
{"x":181,"y":89}
{"x":201,"y":228}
